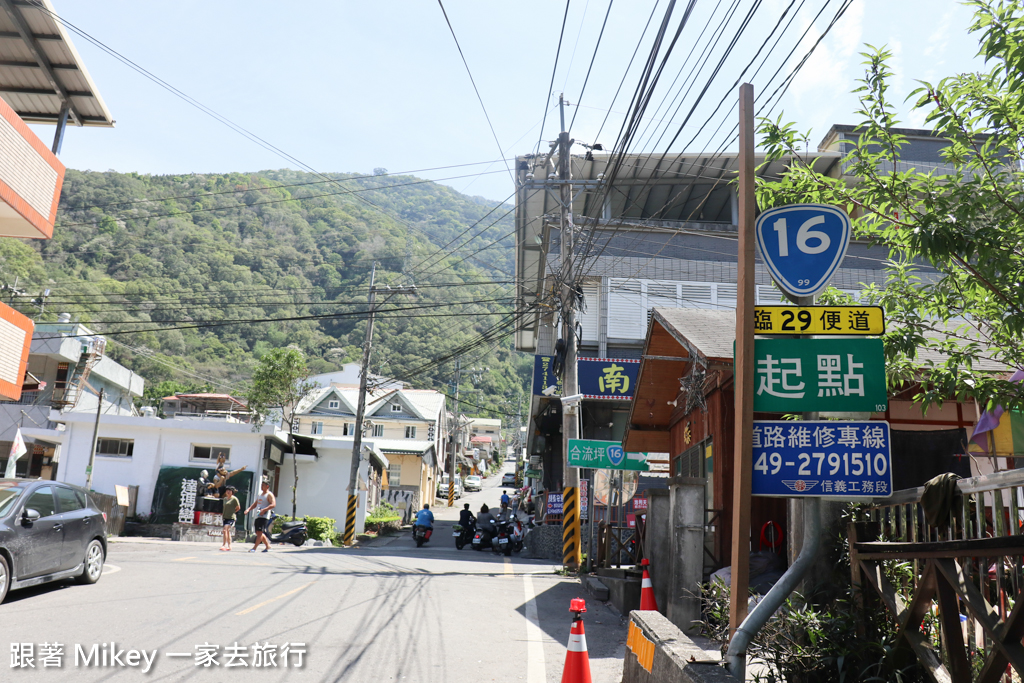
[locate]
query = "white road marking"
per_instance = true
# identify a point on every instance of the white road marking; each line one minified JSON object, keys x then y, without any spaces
{"x":110,"y":568}
{"x":534,"y":636}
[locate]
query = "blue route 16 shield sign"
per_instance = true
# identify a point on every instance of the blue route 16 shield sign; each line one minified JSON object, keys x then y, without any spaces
{"x":803,"y":245}
{"x":616,"y":454}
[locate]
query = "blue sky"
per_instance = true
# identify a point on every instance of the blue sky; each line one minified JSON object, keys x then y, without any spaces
{"x":346,"y":86}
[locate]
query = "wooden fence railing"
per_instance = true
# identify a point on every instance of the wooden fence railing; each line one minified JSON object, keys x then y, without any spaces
{"x":966,"y":571}
{"x":115,"y":513}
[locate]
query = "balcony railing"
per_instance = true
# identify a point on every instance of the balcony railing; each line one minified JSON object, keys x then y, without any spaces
{"x":221,"y":415}
{"x":31,"y":398}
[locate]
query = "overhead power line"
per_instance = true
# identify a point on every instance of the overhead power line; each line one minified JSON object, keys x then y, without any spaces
{"x":475,"y":89}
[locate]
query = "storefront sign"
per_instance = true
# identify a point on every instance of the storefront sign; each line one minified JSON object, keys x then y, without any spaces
{"x":584,"y":498}
{"x":544,"y":377}
{"x":797,"y":375}
{"x":608,"y":378}
{"x":554,"y":504}
{"x":607,"y":455}
{"x":602,"y":378}
{"x":847,"y":320}
{"x":826,"y":459}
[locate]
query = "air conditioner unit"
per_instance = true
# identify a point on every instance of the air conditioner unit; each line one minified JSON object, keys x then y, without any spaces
{"x":535,"y":461}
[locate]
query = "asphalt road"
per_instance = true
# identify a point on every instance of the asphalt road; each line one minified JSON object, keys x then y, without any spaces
{"x":388,"y":613}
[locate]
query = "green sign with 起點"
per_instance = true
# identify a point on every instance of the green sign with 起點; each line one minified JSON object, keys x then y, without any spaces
{"x":798,"y":375}
{"x":605,"y":455}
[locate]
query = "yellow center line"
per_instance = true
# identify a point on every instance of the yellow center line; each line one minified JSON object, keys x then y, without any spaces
{"x":267,"y":602}
{"x":508,"y":567}
{"x":225,"y":562}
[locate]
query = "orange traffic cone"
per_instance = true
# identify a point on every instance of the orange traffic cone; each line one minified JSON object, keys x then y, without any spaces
{"x":577,"y":662}
{"x":647,"y":600}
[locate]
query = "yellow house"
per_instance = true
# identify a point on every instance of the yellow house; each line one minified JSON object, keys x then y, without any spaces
{"x":407,"y":426}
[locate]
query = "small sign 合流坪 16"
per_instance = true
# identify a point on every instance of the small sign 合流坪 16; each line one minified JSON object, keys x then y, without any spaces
{"x":824,"y":459}
{"x":607,"y":455}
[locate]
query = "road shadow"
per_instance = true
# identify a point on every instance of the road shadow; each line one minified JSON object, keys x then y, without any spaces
{"x":604,"y":626}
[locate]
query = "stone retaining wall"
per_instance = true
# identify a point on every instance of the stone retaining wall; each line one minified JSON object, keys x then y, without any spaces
{"x":656,"y":650}
{"x":544,"y":542}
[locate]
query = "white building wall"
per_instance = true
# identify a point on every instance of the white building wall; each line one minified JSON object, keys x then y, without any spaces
{"x":158,"y":443}
{"x":322,"y":490}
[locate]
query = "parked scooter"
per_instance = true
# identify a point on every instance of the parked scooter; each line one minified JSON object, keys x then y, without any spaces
{"x":516,"y":533}
{"x":501,"y":541}
{"x":482,"y":538}
{"x":463,"y":536}
{"x":291,"y":532}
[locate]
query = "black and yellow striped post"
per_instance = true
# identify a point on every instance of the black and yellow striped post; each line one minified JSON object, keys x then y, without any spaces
{"x":350,"y":520}
{"x":451,"y":493}
{"x":571,"y":549}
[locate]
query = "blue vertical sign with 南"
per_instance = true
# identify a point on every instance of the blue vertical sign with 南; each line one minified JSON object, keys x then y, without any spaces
{"x":824,"y":459}
{"x":803,"y":245}
{"x":602,"y":378}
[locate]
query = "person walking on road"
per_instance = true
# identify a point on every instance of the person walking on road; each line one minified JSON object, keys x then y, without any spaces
{"x":231,"y":506}
{"x":263,"y":504}
{"x":504,"y":501}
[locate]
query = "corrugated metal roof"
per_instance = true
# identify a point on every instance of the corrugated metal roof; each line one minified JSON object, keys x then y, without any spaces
{"x":652,"y":193}
{"x":39,"y":67}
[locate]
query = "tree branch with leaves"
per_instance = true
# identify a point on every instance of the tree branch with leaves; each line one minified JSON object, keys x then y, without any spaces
{"x":279,"y":383}
{"x":964,"y":219}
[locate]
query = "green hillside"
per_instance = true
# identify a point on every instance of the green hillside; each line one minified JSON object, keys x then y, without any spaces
{"x":209,"y":271}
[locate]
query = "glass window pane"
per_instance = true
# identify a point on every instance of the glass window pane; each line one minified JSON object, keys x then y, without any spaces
{"x":42,"y":502}
{"x":68,"y":500}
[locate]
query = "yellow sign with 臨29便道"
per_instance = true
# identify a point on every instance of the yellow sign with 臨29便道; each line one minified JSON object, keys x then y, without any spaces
{"x":866,"y":320}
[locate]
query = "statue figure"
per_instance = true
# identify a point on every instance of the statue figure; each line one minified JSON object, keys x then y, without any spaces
{"x":221,"y":477}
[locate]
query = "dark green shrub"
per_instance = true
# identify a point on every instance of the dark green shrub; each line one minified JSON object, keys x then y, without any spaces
{"x":383,"y":519}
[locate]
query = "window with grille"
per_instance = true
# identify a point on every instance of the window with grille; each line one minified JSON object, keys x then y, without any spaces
{"x":378,"y":430}
{"x":117,"y":447}
{"x":394,"y":475}
{"x":207,"y":453}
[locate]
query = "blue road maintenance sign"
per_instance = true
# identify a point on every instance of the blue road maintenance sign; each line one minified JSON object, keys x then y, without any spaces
{"x":803,"y":245}
{"x":823,"y":459}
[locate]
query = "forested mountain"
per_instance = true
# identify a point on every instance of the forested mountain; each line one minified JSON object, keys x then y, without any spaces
{"x":209,"y":271}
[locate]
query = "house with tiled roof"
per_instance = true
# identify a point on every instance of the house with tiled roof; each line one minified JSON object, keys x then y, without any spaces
{"x":403,"y":435}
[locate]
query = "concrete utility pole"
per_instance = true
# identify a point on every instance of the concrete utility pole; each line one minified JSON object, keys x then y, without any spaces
{"x":743,"y":437}
{"x":458,"y":440}
{"x":95,"y":438}
{"x":571,"y":546}
{"x":357,"y":439}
